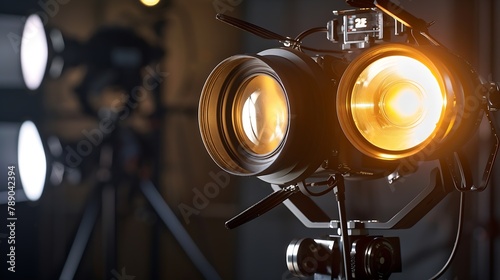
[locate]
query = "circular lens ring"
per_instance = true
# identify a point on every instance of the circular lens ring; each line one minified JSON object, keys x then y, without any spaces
{"x":305,"y":86}
{"x":454,"y":78}
{"x":379,"y":103}
{"x":379,"y":258}
{"x":216,"y":119}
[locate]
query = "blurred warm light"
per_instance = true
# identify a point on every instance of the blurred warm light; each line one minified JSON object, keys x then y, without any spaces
{"x":401,"y":103}
{"x":150,"y":3}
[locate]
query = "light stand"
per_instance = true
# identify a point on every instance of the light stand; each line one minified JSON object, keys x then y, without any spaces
{"x":116,"y":57}
{"x":371,"y":257}
{"x":102,"y":200}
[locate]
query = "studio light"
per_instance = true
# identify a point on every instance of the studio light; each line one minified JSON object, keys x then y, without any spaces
{"x":34,"y":162}
{"x":385,"y":99}
{"x":394,"y":100}
{"x":23,"y":150}
{"x":34,"y":52}
{"x":24,"y":53}
{"x":254,"y":120}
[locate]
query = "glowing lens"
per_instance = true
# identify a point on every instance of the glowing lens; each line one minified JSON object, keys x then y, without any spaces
{"x":150,"y":3}
{"x":261,"y":114}
{"x":397,"y":103}
{"x":246,"y":109}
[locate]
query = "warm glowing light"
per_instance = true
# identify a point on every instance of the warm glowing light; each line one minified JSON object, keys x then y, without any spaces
{"x":397,"y":103}
{"x":31,"y":160}
{"x":261,"y":114}
{"x":402,"y":104}
{"x":150,"y":3}
{"x":34,"y":52}
{"x":396,"y":100}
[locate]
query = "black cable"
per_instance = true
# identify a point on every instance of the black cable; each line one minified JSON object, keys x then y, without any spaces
{"x":308,"y":32}
{"x":457,"y":239}
{"x":321,"y":193}
{"x":308,"y":187}
{"x":323,"y":50}
{"x":304,"y":34}
{"x":339,"y":191}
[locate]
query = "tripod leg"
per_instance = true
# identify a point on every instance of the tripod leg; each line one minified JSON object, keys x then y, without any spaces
{"x":108,"y":214}
{"x":175,"y":227}
{"x":81,"y":238}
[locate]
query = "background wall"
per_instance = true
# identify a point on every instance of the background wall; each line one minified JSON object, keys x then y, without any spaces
{"x":194,"y":43}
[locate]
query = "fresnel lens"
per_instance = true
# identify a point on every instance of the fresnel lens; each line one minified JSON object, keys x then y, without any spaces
{"x":396,"y":100}
{"x":254,"y":119}
{"x":373,"y":106}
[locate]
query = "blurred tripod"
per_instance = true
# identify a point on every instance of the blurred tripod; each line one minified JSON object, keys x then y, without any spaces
{"x":103,"y":201}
